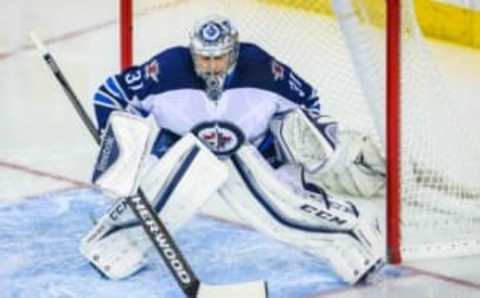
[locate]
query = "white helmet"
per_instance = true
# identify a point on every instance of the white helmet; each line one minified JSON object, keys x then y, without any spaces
{"x":214,"y":36}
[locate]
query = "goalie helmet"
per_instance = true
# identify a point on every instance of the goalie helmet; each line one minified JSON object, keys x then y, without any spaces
{"x":214,"y":47}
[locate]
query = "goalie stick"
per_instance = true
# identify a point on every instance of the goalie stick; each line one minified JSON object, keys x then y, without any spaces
{"x":151,"y":223}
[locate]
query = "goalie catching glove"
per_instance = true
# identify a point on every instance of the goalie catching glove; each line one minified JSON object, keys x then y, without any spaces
{"x":357,"y":168}
{"x":345,"y":162}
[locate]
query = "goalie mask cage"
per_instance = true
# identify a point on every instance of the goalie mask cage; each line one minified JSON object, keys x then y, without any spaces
{"x":374,"y":73}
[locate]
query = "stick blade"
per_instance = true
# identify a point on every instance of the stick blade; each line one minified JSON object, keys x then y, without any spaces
{"x":254,"y":289}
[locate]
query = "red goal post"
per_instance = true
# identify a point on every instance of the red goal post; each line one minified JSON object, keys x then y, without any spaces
{"x":126,"y":33}
{"x":393,"y":129}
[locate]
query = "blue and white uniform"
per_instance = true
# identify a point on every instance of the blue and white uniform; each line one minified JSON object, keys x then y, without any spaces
{"x":166,"y":87}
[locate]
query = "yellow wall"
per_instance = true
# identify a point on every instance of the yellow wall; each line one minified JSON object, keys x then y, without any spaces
{"x":438,"y":20}
{"x":449,"y":22}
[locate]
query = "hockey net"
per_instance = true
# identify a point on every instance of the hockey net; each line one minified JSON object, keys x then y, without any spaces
{"x":340,"y":47}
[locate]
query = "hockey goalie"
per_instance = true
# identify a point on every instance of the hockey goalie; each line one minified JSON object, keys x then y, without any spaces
{"x":225,"y":118}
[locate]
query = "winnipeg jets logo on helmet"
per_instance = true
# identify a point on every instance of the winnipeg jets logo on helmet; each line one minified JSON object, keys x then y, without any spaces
{"x":222,"y":138}
{"x":211,"y":32}
{"x":214,"y":36}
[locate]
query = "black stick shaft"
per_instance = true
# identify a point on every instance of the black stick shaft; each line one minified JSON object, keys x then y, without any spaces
{"x":72,"y":97}
{"x":151,"y":223}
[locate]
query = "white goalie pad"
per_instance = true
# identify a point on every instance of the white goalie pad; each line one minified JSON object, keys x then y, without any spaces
{"x":357,"y":168}
{"x":115,"y":255}
{"x":177,"y":185}
{"x":124,"y":145}
{"x":302,"y":141}
{"x":287,"y":200}
{"x":315,"y":223}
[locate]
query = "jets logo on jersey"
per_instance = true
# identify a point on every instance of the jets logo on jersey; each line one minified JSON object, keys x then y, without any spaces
{"x":278,"y":71}
{"x":222,"y":138}
{"x":152,"y":70}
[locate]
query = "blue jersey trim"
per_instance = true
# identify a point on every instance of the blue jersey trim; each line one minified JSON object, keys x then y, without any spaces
{"x":113,"y":87}
{"x":100,"y":98}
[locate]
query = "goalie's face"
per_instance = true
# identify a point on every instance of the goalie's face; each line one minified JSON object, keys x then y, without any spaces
{"x":212,"y":65}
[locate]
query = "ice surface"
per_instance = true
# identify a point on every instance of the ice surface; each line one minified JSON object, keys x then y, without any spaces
{"x":39,"y":240}
{"x":39,"y":256}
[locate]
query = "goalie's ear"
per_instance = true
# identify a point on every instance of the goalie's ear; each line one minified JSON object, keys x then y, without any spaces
{"x":126,"y":140}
